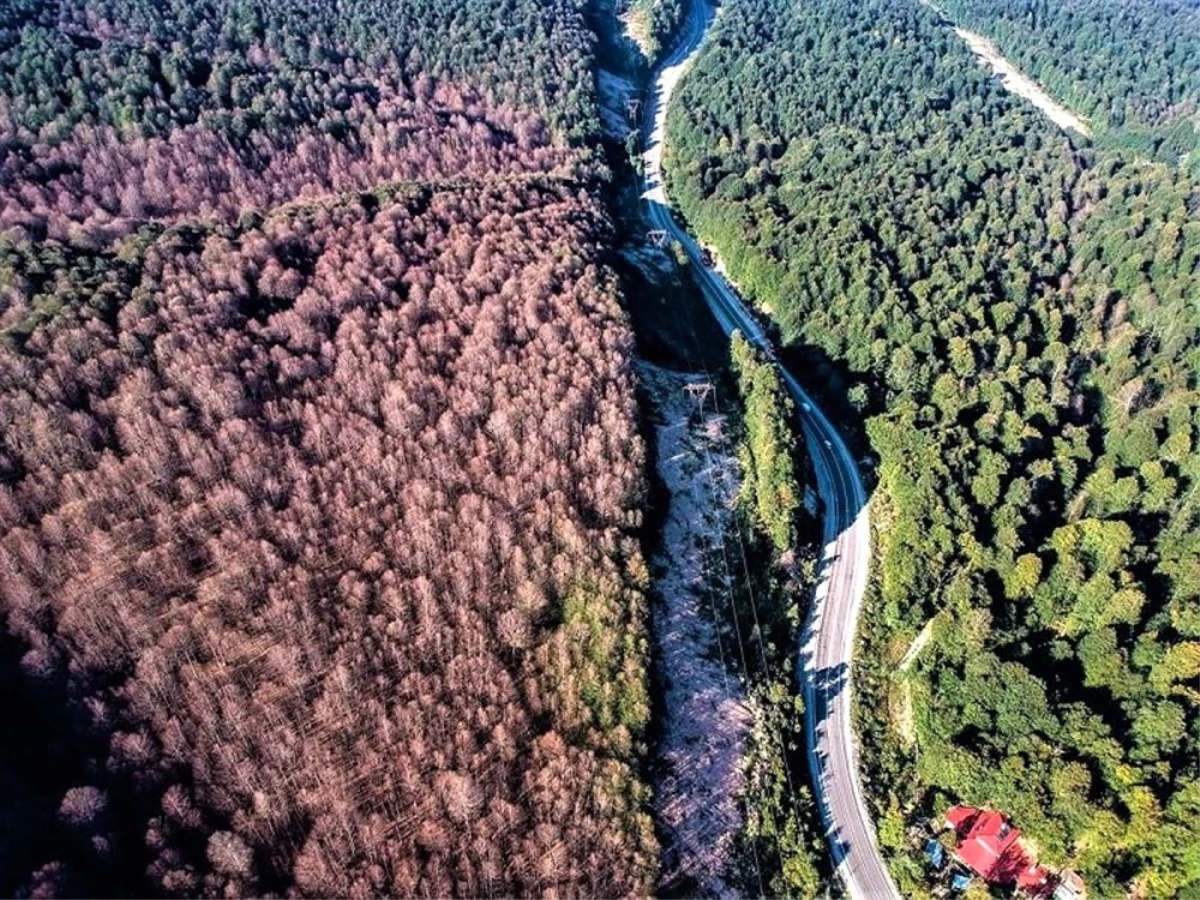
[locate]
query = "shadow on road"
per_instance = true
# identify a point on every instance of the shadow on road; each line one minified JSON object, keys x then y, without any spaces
{"x":839,"y":847}
{"x":829,"y":381}
{"x":828,"y":684}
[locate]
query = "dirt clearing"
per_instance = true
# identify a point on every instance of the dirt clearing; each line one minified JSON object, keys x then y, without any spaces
{"x":705,"y":718}
{"x":1021,"y":84}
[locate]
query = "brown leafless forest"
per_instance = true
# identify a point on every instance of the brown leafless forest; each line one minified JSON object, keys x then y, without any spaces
{"x":326,"y":529}
{"x":97,"y":186}
{"x":319,"y":475}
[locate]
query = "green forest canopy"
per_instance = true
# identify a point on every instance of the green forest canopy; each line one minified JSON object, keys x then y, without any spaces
{"x":148,"y":66}
{"x":1130,"y":66}
{"x":1020,"y":312}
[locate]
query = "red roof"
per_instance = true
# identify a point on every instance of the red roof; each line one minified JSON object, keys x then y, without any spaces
{"x":988,"y":843}
{"x":961,"y":817}
{"x":991,"y":847}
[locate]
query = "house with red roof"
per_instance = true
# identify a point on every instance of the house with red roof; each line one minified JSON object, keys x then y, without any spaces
{"x":991,"y":847}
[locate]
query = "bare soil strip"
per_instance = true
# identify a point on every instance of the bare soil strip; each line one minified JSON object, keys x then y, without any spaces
{"x":1021,"y":84}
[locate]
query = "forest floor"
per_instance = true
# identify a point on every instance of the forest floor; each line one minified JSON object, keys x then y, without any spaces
{"x":1021,"y":84}
{"x":705,"y":718}
{"x":615,"y":91}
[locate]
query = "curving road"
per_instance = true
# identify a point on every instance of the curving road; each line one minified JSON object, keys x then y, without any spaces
{"x":827,"y":641}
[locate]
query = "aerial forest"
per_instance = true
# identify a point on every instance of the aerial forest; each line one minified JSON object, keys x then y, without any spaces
{"x":320,"y":478}
{"x":1132,"y":69}
{"x":1013,"y":311}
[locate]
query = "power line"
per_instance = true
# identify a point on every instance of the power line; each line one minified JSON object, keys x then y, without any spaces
{"x":737,"y":524}
{"x":658,"y":237}
{"x":708,"y":473}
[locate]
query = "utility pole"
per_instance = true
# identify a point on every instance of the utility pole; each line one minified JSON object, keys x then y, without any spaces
{"x":698,"y":391}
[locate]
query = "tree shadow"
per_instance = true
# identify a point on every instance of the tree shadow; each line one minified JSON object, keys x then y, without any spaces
{"x":61,"y":749}
{"x":826,"y":684}
{"x":829,"y":381}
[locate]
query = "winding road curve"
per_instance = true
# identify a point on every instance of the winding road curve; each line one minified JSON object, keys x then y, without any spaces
{"x":827,"y":641}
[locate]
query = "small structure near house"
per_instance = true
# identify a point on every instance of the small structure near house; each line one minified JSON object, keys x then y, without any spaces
{"x":1070,"y":887}
{"x":935,"y":853}
{"x":1035,"y":880}
{"x":991,"y":847}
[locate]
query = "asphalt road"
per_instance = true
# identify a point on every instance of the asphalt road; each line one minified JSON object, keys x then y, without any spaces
{"x":827,"y":640}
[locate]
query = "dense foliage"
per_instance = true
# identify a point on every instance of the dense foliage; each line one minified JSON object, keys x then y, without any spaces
{"x":245,"y":108}
{"x":97,"y":187}
{"x":1131,"y":66}
{"x":1020,"y":317}
{"x":319,"y":475}
{"x":783,"y":844}
{"x":241,"y":67}
{"x":772,"y":457}
{"x":653,"y":22}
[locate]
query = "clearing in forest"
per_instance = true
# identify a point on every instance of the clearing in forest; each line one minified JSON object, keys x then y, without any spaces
{"x":705,"y":719}
{"x":1021,"y":84}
